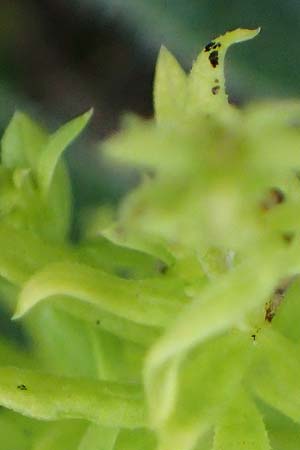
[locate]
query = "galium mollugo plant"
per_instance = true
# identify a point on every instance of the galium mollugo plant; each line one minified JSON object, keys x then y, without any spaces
{"x":174,"y":323}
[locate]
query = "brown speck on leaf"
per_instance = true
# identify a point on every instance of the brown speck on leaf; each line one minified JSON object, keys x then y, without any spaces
{"x":162,"y":267}
{"x":288,"y":237}
{"x":209,"y":46}
{"x":22,"y":387}
{"x":214,"y":58}
{"x":277,"y":298}
{"x":274,"y":197}
{"x":216,"y":45}
{"x":215,"y":90}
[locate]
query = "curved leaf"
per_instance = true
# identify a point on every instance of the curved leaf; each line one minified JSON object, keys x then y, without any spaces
{"x":206,"y":88}
{"x":153,"y":303}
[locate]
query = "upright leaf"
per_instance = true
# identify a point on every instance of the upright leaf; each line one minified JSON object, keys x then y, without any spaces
{"x":56,"y":144}
{"x":169,"y":88}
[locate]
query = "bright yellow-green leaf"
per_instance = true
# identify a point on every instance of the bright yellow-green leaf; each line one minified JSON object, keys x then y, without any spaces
{"x":206,"y":88}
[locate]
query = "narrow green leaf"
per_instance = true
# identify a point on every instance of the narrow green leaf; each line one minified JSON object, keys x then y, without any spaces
{"x":56,"y":144}
{"x":241,"y":426}
{"x":49,"y":397}
{"x":22,"y":142}
{"x":153,"y":303}
{"x":169,"y":87}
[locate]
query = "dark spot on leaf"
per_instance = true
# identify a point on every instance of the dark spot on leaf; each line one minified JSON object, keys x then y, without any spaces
{"x":22,"y":387}
{"x":216,"y":45}
{"x":288,"y":237}
{"x":162,"y":267}
{"x":253,"y":337}
{"x":216,"y":80}
{"x":97,"y":322}
{"x":215,"y":90}
{"x":209,"y":46}
{"x":214,"y":58}
{"x":273,"y":198}
{"x":269,"y":313}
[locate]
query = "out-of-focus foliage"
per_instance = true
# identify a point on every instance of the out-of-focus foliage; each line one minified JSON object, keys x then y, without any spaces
{"x":172,"y":323}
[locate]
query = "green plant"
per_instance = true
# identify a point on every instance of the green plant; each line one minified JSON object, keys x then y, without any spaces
{"x":173,"y":322}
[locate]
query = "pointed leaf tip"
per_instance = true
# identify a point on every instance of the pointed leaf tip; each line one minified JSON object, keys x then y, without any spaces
{"x":169,"y":87}
{"x":57,"y":143}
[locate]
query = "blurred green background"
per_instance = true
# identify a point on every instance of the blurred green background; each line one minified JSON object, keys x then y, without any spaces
{"x":59,"y":57}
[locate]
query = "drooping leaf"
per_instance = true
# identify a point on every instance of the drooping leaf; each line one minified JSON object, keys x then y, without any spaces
{"x":49,"y":397}
{"x":146,"y":302}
